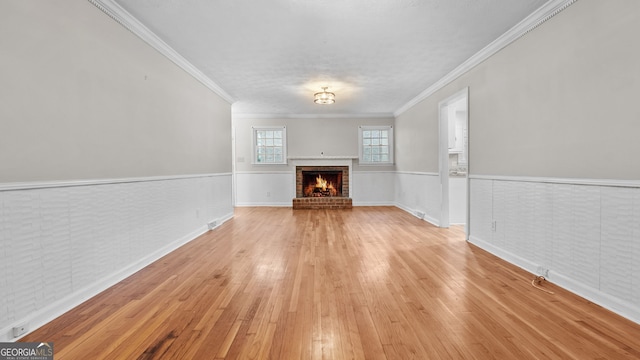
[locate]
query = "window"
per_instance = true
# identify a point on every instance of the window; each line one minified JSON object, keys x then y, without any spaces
{"x":376,"y":144}
{"x":269,"y":145}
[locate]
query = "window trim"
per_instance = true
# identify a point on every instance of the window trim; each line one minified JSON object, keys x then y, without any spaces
{"x":254,"y":145}
{"x":389,"y":128}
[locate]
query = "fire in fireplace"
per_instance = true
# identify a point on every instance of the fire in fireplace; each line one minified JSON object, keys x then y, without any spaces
{"x":322,"y":187}
{"x":322,"y":183}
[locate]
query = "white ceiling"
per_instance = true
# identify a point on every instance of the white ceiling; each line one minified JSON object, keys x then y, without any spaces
{"x":271,"y":56}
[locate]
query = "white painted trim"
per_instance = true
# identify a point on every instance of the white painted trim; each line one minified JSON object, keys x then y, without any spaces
{"x":443,"y":154}
{"x":71,"y":183}
{"x":390,"y":145}
{"x":290,"y":204}
{"x":313,"y":161}
{"x":570,"y":181}
{"x":348,"y":157}
{"x":535,"y":19}
{"x":254,"y":144}
{"x":263,"y":172}
{"x":124,"y":18}
{"x":47,"y":314}
{"x":427,"y":218}
{"x":622,"y":308}
{"x":373,"y":203}
{"x":431,"y":220}
{"x":418,"y":173}
{"x":374,"y":172}
{"x":312,"y":116}
{"x":504,"y":255}
{"x":278,"y":204}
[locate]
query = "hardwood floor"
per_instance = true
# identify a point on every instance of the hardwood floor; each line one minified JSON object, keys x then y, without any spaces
{"x":367,"y":283}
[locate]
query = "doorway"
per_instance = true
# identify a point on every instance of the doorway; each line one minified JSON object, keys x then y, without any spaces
{"x":454,"y":159}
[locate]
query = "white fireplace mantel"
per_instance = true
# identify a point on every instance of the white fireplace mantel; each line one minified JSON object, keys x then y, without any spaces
{"x":322,"y":161}
{"x":322,"y":157}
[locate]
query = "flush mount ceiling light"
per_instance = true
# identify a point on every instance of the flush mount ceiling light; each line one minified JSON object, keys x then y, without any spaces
{"x":324,"y":97}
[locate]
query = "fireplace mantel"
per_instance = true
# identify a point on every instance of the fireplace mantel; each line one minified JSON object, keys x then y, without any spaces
{"x":322,"y":160}
{"x":322,"y":157}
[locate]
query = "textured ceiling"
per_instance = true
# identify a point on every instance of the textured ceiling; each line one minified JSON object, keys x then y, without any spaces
{"x":375,"y":55}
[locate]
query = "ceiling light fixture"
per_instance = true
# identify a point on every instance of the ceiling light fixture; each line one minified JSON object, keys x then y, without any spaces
{"x":324,"y":97}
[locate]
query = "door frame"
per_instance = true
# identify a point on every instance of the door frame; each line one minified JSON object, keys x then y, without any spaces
{"x":443,"y":158}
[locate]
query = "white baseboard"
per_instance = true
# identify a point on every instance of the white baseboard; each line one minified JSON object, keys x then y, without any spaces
{"x":54,"y":310}
{"x":505,"y":255}
{"x":275,"y":204}
{"x":426,"y":217}
{"x":373,"y":203}
{"x":431,"y":220}
{"x":622,"y":308}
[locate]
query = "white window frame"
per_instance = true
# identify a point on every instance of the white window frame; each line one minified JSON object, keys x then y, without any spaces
{"x":361,"y":150}
{"x":254,"y":144}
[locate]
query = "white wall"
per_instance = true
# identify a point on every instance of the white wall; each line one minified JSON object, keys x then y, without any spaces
{"x":63,"y":243}
{"x":373,"y":188}
{"x":87,"y":99}
{"x":556,"y":103}
{"x":457,"y":200}
{"x":274,"y":185}
{"x":264,"y":188}
{"x":552,"y":108}
{"x":110,"y":156}
{"x":419,"y":194}
{"x":581,"y":235}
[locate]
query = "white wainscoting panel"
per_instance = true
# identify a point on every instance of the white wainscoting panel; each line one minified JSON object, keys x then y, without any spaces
{"x":617,"y":254}
{"x":372,"y":188}
{"x":635,"y":243}
{"x":265,"y":188}
{"x":367,"y":188}
{"x":542,"y":225}
{"x":419,"y":194}
{"x":62,"y":244}
{"x":481,"y":209}
{"x":585,"y":250}
{"x":457,"y":200}
{"x":582,"y":236}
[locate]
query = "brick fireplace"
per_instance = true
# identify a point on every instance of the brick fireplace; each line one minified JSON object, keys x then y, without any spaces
{"x":322,"y":187}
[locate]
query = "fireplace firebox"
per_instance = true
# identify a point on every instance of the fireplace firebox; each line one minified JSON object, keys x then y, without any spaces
{"x":321,"y":183}
{"x":322,"y":187}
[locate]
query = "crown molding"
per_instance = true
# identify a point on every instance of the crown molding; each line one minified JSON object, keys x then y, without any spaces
{"x":535,"y":19}
{"x":313,"y":116}
{"x":124,"y":18}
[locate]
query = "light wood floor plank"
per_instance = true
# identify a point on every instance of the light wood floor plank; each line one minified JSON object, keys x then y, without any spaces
{"x":364,"y":283}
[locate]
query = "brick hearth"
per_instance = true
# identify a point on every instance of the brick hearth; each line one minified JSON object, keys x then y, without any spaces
{"x":343,"y":202}
{"x":322,"y":203}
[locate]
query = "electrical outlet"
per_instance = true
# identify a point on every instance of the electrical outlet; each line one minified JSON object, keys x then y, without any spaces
{"x":19,"y":330}
{"x":268,"y":194}
{"x":542,"y":271}
{"x":494,"y":225}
